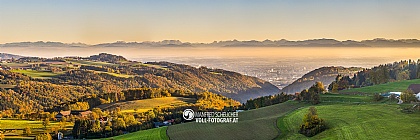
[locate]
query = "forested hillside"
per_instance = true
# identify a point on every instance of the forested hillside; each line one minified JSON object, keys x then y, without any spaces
{"x":30,"y":84}
{"x":324,"y":75}
{"x":169,"y":75}
{"x":397,"y":71}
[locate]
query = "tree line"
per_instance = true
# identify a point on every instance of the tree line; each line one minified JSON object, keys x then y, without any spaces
{"x":397,"y":71}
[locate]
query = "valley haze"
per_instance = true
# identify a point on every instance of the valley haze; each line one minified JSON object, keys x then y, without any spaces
{"x":280,"y":62}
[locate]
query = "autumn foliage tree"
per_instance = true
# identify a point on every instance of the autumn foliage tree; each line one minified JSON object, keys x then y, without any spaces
{"x":27,"y":131}
{"x":408,"y":96}
{"x":46,"y":122}
{"x":312,"y":124}
{"x":45,"y":136}
{"x":312,"y":94}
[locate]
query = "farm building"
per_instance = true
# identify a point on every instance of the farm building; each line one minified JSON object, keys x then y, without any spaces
{"x":415,"y":88}
{"x":165,"y":123}
{"x":62,"y":114}
{"x":80,"y":113}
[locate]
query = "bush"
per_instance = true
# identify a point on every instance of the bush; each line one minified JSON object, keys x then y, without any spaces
{"x":408,"y":96}
{"x":377,"y":97}
{"x":312,"y":125}
{"x":45,"y":136}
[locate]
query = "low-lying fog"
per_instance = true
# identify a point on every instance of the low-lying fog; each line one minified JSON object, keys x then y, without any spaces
{"x":279,"y":65}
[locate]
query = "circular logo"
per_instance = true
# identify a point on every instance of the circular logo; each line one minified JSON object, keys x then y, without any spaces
{"x":188,"y":114}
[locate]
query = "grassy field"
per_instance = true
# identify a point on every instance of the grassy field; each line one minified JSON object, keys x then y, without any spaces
{"x":150,"y":134}
{"x":86,"y":62}
{"x":148,"y":104}
{"x":36,"y":74}
{"x":373,"y":121}
{"x":16,"y":65}
{"x":253,"y":124}
{"x":346,"y":98}
{"x":21,"y":124}
{"x":6,"y":86}
{"x":383,"y":88}
{"x":154,"y":66}
{"x":17,"y":126}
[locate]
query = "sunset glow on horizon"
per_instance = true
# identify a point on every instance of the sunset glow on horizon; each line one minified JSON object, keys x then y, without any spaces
{"x":94,"y":22}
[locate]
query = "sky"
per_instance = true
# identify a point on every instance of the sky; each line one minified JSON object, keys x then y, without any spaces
{"x":100,"y":21}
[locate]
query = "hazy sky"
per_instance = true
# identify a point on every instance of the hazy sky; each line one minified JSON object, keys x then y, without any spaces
{"x":98,"y":21}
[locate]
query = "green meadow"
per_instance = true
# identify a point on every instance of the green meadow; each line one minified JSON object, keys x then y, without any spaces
{"x":383,"y":88}
{"x":253,"y":124}
{"x":148,"y":104}
{"x":36,"y":74}
{"x":150,"y":134}
{"x":347,"y":121}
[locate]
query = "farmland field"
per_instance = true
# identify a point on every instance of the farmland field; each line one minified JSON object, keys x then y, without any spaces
{"x":6,"y":86}
{"x":148,"y":104}
{"x":21,"y":124}
{"x":36,"y":74}
{"x":154,"y":66}
{"x":253,"y":124}
{"x":15,"y":127}
{"x":150,"y":134}
{"x":382,"y":88}
{"x":373,"y":121}
{"x":16,"y":64}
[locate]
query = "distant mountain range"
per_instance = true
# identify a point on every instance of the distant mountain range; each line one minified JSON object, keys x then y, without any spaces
{"x":325,"y":75}
{"x":378,"y":42}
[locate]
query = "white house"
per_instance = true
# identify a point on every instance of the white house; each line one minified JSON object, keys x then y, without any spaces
{"x":396,"y":93}
{"x":388,"y":94}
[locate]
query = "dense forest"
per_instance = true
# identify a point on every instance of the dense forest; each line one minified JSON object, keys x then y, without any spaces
{"x":107,"y":58}
{"x":397,"y":71}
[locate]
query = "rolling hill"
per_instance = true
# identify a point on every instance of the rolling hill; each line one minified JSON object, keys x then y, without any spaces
{"x":73,"y":78}
{"x":350,"y":121}
{"x":324,"y":74}
{"x":345,"y":120}
{"x":165,"y":75}
{"x":381,"y":74}
{"x":253,"y":124}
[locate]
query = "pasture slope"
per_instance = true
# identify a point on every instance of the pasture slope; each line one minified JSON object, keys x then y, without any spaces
{"x":253,"y":124}
{"x":382,"y":88}
{"x":350,"y":121}
{"x":36,"y":74}
{"x":346,"y":116}
{"x":150,"y":134}
{"x":13,"y":128}
{"x":148,"y":104}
